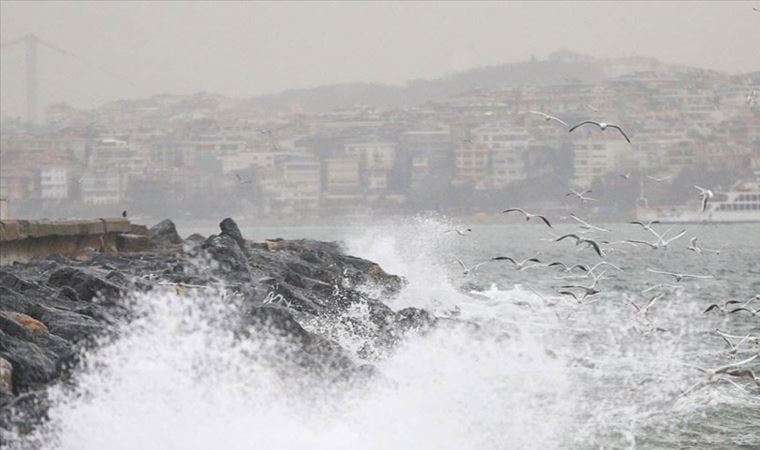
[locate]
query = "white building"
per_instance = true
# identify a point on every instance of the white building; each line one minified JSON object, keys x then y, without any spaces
{"x":598,"y":155}
{"x":104,"y":187}
{"x":54,"y":183}
{"x":508,"y":145}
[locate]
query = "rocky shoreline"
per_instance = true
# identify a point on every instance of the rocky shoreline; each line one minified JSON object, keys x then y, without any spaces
{"x":53,"y":309}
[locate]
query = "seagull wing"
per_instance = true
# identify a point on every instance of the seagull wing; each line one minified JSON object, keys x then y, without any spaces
{"x":558,"y":264}
{"x":546,"y":221}
{"x":504,"y":258}
{"x":585,"y":122}
{"x":520,"y":210}
{"x":557,"y":119}
{"x":736,"y":364}
{"x":710,"y":308}
{"x":595,"y":246}
{"x":636,"y":241}
{"x":620,"y":129}
{"x":675,"y":237}
{"x":575,"y":236}
{"x":461,"y":263}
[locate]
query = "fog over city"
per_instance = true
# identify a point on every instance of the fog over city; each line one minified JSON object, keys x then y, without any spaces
{"x":324,"y":108}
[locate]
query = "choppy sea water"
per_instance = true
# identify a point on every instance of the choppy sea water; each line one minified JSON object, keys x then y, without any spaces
{"x":541,"y":371}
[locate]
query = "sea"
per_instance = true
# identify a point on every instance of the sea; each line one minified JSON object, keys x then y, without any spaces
{"x":538,"y":370}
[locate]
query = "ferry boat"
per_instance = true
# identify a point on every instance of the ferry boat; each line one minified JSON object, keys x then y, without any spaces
{"x":740,"y":204}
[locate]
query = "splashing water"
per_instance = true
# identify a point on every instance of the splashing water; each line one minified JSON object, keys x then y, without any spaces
{"x":536,"y":372}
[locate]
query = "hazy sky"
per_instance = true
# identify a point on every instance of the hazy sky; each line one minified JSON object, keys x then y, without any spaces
{"x":134,"y":49}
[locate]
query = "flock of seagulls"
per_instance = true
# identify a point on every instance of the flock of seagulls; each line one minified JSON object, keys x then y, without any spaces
{"x":588,"y":235}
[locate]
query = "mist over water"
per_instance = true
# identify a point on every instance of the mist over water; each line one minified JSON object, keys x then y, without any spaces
{"x":535,"y":371}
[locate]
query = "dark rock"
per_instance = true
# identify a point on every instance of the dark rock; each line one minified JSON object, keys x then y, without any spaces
{"x":195,"y":237}
{"x":415,"y":319}
{"x":227,"y":253}
{"x":86,"y":285}
{"x":230,"y":228}
{"x":70,"y":325}
{"x":32,"y":365}
{"x":164,"y":233}
{"x":69,"y":294}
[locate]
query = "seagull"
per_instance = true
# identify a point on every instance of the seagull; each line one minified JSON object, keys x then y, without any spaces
{"x":124,"y":214}
{"x":579,"y":240}
{"x":528,"y":216}
{"x":460,"y":232}
{"x":267,"y":131}
{"x":643,"y":310}
{"x":567,"y":269}
{"x":468,"y":270}
{"x":625,"y":176}
{"x":733,"y":368}
{"x":734,"y":347}
{"x":726,"y":368}
{"x":752,"y":312}
{"x":519,"y":265}
{"x":721,"y":308}
{"x":548,"y":117}
{"x":661,"y":242}
{"x":581,"y":195}
{"x":679,"y":276}
{"x":647,"y":226}
{"x":603,"y":126}
{"x":705,"y":194}
{"x":672,"y":287}
{"x":242,"y":180}
{"x":659,"y":180}
{"x":588,"y":291}
{"x":587,"y":226}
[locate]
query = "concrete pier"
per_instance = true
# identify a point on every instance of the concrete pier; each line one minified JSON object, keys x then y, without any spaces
{"x":23,"y":240}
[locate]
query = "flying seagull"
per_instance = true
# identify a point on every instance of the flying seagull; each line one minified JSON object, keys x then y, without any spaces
{"x":643,"y":310}
{"x":603,"y":126}
{"x":528,"y":216}
{"x":659,"y":180}
{"x":549,"y":117}
{"x":752,"y":312}
{"x":625,"y":176}
{"x":697,"y":249}
{"x":647,"y":226}
{"x":581,"y":195}
{"x":733,"y":369}
{"x":706,"y":195}
{"x":679,"y":276}
{"x":579,"y":240}
{"x":460,"y":232}
{"x":721,"y":308}
{"x":587,"y":226}
{"x":519,"y":265}
{"x":661,"y":241}
{"x":566,"y":268}
{"x":467,"y":270}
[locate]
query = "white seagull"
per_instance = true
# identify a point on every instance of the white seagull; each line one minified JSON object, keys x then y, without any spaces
{"x":581,"y":195}
{"x":706,"y":195}
{"x":519,"y":265}
{"x":528,"y":216}
{"x":603,"y":126}
{"x":549,"y":117}
{"x":658,"y":179}
{"x":679,"y":276}
{"x":460,"y":232}
{"x":467,"y":270}
{"x":587,"y":226}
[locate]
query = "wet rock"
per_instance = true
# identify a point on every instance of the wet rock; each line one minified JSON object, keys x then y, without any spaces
{"x":415,"y":319}
{"x":32,"y":365}
{"x":230,"y":228}
{"x":6,"y":377}
{"x":164,"y":233}
{"x":32,"y":326}
{"x":70,"y":325}
{"x":196,"y":238}
{"x":86,"y":285}
{"x":227,"y":253}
